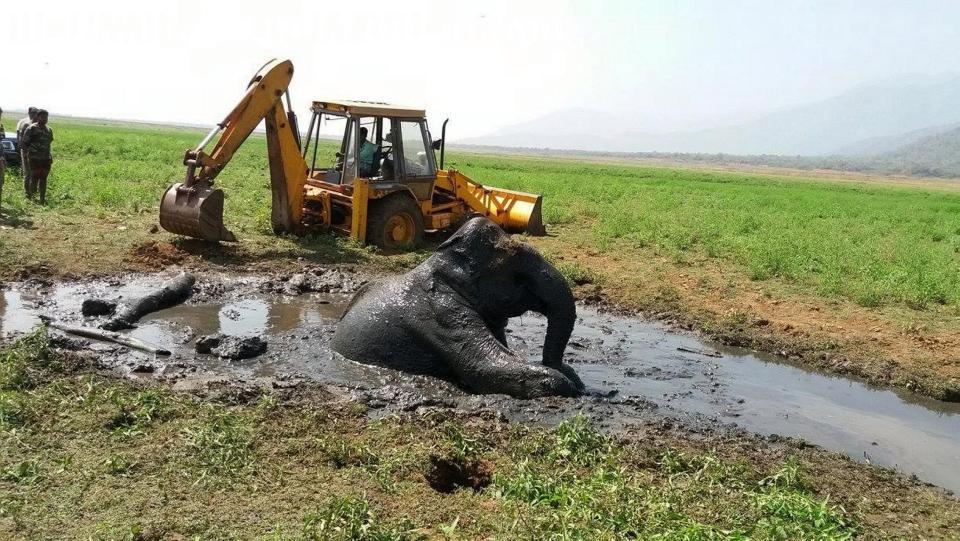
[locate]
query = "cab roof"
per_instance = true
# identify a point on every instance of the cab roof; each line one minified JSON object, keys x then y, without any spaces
{"x":367,"y":108}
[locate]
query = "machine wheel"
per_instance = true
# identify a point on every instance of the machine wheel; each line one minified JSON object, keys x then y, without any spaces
{"x":395,"y":222}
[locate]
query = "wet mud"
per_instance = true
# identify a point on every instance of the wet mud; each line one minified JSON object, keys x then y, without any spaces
{"x":638,"y":372}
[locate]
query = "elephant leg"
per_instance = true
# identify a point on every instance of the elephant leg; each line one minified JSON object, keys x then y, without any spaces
{"x":499,"y":331}
{"x":485,"y":365}
{"x":571,"y":374}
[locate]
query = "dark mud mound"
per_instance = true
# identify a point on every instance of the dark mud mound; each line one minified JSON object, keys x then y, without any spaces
{"x":446,"y":474}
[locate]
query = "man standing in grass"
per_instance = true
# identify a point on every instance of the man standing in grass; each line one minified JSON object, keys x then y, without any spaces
{"x":22,"y":126}
{"x":38,"y":139}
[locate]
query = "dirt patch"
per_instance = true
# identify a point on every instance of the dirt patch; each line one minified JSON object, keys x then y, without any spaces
{"x":156,"y":255}
{"x":299,"y":428}
{"x":446,"y":474}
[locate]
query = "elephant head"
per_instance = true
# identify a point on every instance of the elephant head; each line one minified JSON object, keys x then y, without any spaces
{"x":503,"y":278}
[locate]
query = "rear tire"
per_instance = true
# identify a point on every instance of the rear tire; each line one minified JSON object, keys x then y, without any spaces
{"x":395,"y":223}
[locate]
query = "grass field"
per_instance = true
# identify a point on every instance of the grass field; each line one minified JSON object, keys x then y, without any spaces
{"x":874,"y":245}
{"x":90,"y":457}
{"x":854,"y":276}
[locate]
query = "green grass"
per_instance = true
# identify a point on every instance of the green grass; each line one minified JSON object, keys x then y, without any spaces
{"x":875,"y":245}
{"x":111,"y":459}
{"x":580,"y":489}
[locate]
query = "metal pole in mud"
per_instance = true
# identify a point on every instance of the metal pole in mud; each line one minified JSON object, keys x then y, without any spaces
{"x":107,"y":336}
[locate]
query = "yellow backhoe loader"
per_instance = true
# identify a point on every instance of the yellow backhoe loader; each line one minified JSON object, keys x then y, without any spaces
{"x":385,"y":188}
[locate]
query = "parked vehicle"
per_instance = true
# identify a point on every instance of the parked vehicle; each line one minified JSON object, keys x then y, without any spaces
{"x":11,"y":150}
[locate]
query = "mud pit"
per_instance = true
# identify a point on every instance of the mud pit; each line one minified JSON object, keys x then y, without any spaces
{"x":639,"y":371}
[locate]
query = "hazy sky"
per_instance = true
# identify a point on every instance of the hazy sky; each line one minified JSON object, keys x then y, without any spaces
{"x":484,"y":64}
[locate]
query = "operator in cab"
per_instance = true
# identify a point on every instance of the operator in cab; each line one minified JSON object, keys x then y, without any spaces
{"x":368,"y":155}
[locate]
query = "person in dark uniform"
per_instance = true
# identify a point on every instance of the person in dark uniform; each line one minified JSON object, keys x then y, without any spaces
{"x":38,"y":139}
{"x":22,"y":126}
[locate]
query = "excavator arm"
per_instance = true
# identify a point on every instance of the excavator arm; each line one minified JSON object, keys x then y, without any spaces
{"x":194,"y":208}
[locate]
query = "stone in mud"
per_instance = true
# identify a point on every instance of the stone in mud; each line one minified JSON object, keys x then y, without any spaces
{"x":97,"y":307}
{"x":231,"y":347}
{"x":296,"y":285}
{"x":206,"y":344}
{"x":236,"y":348}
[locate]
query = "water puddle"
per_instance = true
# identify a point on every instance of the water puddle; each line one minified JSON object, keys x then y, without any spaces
{"x":680,"y":373}
{"x":16,"y":315}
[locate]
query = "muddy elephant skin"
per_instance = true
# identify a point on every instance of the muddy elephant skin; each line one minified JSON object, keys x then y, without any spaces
{"x":447,"y":317}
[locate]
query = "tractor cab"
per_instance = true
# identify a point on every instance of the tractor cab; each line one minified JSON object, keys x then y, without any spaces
{"x":389,"y":150}
{"x":383,"y":144}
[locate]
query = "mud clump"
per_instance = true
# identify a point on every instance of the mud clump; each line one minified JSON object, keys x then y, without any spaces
{"x":97,"y":307}
{"x":400,"y":398}
{"x":446,"y":474}
{"x":318,"y":280}
{"x":60,"y":341}
{"x":234,"y":348}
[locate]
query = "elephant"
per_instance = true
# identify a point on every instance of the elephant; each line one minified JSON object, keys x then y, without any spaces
{"x":447,"y":317}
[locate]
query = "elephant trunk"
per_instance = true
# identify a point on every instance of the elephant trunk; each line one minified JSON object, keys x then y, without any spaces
{"x":556,"y":303}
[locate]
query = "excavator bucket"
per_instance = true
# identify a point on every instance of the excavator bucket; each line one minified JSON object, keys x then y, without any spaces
{"x":195,"y":211}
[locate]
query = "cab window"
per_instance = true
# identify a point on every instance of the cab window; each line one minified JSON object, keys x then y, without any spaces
{"x":417,"y":162}
{"x":350,"y":153}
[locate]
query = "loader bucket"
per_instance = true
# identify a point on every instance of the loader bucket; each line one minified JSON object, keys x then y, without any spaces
{"x":516,"y":212}
{"x":195,"y":211}
{"x":535,"y":220}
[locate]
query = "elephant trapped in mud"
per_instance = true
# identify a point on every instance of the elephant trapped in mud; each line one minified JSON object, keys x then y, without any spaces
{"x":447,"y":317}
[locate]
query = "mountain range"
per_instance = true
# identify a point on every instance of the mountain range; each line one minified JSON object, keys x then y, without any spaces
{"x":878,"y":119}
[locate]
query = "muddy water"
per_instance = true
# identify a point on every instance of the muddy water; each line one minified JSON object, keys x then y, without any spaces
{"x":763,"y":394}
{"x":682,"y":375}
